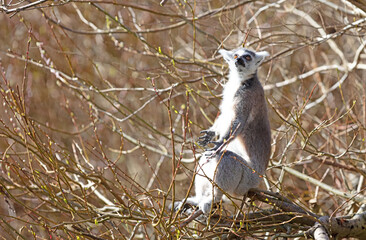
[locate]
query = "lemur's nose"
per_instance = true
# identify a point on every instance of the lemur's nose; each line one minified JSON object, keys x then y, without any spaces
{"x":240,"y":61}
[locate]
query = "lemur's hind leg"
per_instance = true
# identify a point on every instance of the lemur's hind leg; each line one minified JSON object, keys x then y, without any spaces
{"x":206,"y":192}
{"x":222,"y":171}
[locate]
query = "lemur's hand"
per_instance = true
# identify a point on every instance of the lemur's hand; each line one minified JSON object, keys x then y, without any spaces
{"x":217,"y":144}
{"x":206,"y":138}
{"x":211,"y":152}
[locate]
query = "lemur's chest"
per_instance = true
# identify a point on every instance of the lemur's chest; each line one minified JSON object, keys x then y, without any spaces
{"x":230,"y":98}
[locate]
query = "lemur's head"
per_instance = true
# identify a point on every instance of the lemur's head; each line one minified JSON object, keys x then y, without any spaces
{"x":243,"y":60}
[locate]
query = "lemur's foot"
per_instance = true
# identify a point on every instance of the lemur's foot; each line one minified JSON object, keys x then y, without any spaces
{"x":206,"y":138}
{"x":179,"y":205}
{"x":189,"y":206}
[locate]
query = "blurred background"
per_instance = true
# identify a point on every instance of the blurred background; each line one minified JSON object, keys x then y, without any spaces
{"x":103,"y":101}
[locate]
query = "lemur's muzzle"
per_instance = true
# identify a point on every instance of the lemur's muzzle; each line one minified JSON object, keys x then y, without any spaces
{"x":240,"y":61}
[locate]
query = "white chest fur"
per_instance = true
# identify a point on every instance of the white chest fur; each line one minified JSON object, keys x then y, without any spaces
{"x":227,"y":107}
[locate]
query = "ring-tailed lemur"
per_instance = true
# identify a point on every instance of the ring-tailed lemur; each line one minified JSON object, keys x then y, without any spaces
{"x":242,"y":151}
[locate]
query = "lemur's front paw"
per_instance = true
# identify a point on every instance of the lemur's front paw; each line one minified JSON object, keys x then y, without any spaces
{"x":217,"y":145}
{"x":206,"y":138}
{"x":211,"y":152}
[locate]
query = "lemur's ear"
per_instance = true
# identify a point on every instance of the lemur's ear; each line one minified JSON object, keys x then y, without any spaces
{"x":261,"y":56}
{"x":227,"y":55}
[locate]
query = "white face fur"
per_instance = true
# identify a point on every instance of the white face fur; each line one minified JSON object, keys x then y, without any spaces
{"x":243,"y":60}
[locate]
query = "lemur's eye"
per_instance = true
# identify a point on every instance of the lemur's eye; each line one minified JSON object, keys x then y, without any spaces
{"x":248,"y":57}
{"x":235,"y":56}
